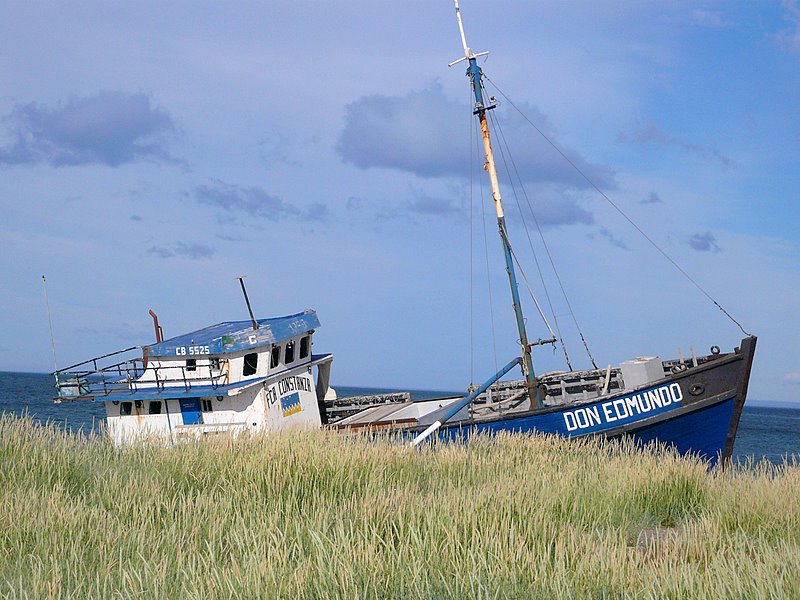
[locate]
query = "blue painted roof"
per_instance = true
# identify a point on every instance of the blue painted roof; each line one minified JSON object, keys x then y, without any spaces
{"x":178,"y":392}
{"x":232,"y":336}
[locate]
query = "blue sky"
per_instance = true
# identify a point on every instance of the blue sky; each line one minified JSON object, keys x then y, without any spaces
{"x":151,"y":151}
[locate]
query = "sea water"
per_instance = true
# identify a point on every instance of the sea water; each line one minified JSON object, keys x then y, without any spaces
{"x":765,"y":432}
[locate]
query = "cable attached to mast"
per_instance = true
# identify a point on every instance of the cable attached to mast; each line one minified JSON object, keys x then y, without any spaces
{"x":504,"y":144}
{"x":621,"y":212}
{"x":50,"y":324}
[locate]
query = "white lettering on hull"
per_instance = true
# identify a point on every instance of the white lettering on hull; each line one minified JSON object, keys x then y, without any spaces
{"x":621,"y":409}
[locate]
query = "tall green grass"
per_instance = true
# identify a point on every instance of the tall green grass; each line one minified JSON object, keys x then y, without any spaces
{"x":321,"y":515}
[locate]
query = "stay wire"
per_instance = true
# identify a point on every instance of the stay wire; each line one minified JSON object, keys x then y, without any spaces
{"x":496,"y":124}
{"x":621,"y":212}
{"x":549,"y":257}
{"x":471,"y":252}
{"x":488,"y":269}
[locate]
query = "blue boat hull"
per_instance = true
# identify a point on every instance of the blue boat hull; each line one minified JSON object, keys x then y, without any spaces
{"x":696,"y":411}
{"x":700,"y":432}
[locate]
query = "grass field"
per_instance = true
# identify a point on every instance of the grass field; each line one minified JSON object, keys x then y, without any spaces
{"x":318,"y":515}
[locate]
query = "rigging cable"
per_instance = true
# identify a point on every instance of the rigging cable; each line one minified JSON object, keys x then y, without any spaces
{"x":496,"y":124}
{"x":488,"y":270}
{"x":549,"y":255}
{"x":621,"y":212}
{"x":471,"y":260}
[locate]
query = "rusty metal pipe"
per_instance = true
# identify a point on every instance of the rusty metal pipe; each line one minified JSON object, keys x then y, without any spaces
{"x":159,"y":331}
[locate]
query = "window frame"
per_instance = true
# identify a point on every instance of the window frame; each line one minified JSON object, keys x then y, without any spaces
{"x":289,"y":352}
{"x":275,"y":356}
{"x":249,"y":369}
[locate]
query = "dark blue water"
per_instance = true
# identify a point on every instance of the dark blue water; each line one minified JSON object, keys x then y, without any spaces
{"x":764,"y":432}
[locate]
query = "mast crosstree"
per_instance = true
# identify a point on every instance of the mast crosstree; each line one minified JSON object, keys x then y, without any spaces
{"x":475,"y":74}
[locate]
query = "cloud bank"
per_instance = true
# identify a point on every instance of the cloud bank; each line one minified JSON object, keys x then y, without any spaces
{"x":704,"y":242}
{"x":109,"y":128}
{"x":652,"y":134}
{"x":425,"y":133}
{"x":182,"y":250}
{"x":233,"y":200}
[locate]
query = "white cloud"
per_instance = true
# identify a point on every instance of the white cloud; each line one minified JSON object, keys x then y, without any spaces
{"x":791,"y":37}
{"x":109,"y":128}
{"x":791,"y":378}
{"x":423,"y":133}
{"x":708,"y":18}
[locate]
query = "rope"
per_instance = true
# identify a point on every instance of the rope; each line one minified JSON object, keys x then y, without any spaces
{"x":496,"y":125}
{"x":471,"y":261}
{"x":530,"y":291}
{"x":488,"y":270}
{"x":621,"y":212}
{"x":552,"y":262}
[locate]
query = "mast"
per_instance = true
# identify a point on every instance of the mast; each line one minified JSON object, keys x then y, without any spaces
{"x":475,"y":74}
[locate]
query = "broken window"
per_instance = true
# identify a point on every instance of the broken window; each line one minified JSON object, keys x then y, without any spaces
{"x":250,"y":364}
{"x":276,"y":357}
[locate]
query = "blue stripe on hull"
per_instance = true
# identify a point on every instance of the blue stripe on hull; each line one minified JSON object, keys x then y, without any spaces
{"x":700,"y":432}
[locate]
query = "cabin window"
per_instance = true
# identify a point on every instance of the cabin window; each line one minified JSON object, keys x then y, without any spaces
{"x":206,"y":404}
{"x":125,"y":408}
{"x":289,"y":352}
{"x":154,"y":408}
{"x":250,"y":364}
{"x":191,"y":364}
{"x":304,"y":344}
{"x":215,"y":367}
{"x":138,"y":404}
{"x":275,"y":357}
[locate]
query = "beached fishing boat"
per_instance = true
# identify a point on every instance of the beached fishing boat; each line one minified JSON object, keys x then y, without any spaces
{"x":261,"y":375}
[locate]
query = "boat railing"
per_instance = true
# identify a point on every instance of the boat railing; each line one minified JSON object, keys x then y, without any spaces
{"x":114,"y":372}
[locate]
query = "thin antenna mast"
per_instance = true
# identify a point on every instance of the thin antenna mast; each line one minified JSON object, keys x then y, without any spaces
{"x":50,"y":324}
{"x":247,"y":300}
{"x":467,"y":51}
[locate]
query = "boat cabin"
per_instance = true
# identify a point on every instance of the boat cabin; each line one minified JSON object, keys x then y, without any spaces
{"x":227,"y":378}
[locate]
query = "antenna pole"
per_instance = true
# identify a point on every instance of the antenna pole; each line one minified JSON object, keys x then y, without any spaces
{"x":467,"y":51}
{"x":247,"y":300}
{"x":476,"y":75}
{"x":50,"y":324}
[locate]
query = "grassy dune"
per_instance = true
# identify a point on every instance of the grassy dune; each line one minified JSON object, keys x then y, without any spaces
{"x":327,"y":516}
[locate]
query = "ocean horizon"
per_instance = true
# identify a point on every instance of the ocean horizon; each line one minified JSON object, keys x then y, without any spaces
{"x":768,"y":429}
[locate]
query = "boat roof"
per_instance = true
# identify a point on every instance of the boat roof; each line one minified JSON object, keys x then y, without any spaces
{"x":179,"y":392}
{"x":233,"y":336}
